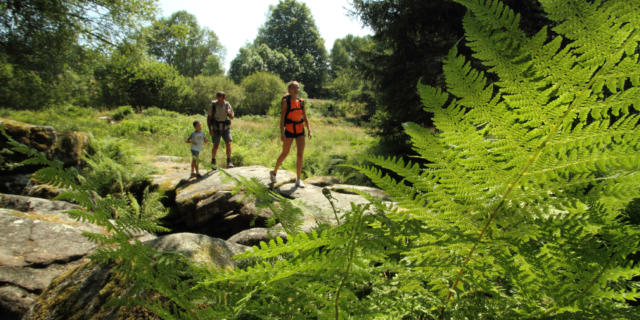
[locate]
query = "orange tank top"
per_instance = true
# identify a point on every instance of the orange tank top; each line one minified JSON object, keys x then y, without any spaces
{"x":295,"y":112}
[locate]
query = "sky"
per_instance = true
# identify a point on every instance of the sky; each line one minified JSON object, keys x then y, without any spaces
{"x":236,"y":22}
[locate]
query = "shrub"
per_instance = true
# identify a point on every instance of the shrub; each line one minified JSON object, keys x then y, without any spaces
{"x":261,"y":89}
{"x":204,"y":91}
{"x":122,"y":112}
{"x":113,"y":167}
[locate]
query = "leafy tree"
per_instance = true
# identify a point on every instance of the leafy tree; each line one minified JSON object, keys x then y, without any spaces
{"x":212,"y":66}
{"x":204,"y":91}
{"x":349,"y":81}
{"x":261,"y":89}
{"x":291,"y":26}
{"x":255,"y":58}
{"x":181,"y":42}
{"x":411,"y":39}
{"x":347,"y":52}
{"x":47,"y":42}
{"x":130,"y":77}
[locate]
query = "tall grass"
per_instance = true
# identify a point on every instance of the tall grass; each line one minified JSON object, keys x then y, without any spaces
{"x":256,"y":138}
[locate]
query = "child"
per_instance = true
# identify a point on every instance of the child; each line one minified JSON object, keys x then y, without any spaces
{"x":197,"y":139}
{"x":219,"y":122}
{"x":293,"y":119}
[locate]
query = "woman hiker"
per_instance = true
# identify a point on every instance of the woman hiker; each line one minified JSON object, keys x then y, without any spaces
{"x":293,"y":119}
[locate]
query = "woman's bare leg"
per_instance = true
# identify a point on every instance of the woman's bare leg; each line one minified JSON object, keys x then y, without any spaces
{"x":286,"y":146}
{"x":300,"y":142}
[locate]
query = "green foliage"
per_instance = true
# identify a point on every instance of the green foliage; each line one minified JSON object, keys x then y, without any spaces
{"x":122,"y":112}
{"x":204,"y":91}
{"x":291,"y":31}
{"x":260,"y":57}
{"x":112,"y":166}
{"x":51,"y":46}
{"x":181,"y":42}
{"x":528,"y":176}
{"x":522,"y":212}
{"x":411,"y":38}
{"x":262,"y":90}
{"x":129,"y":78}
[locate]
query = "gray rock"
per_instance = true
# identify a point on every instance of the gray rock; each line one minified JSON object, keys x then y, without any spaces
{"x":322,"y":181}
{"x":14,"y":183}
{"x":39,"y":242}
{"x":315,"y":206}
{"x":208,"y":205}
{"x":253,"y":236}
{"x":67,"y":147}
{"x":167,"y":159}
{"x":350,"y":189}
{"x":83,"y":293}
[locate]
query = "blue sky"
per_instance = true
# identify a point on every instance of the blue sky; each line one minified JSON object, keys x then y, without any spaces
{"x":236,"y":22}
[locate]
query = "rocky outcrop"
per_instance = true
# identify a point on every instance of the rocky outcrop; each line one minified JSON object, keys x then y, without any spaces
{"x":39,"y":242}
{"x":208,"y":205}
{"x":83,"y":293}
{"x":67,"y":146}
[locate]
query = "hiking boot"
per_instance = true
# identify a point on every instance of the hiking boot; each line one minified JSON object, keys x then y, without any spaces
{"x":272,"y":176}
{"x":198,"y":175}
{"x":193,"y":175}
{"x":229,"y":164}
{"x":299,"y":183}
{"x":213,"y":162}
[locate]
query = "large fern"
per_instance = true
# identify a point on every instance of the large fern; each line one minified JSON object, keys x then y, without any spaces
{"x":528,"y":176}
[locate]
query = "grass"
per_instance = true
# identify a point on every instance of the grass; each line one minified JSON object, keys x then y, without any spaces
{"x":256,"y":139}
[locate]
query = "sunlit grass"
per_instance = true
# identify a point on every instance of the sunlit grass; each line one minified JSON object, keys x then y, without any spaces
{"x":256,"y":138}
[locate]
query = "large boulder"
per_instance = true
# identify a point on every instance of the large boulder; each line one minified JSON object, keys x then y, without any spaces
{"x":209,"y":206}
{"x":67,"y":147}
{"x":39,"y":242}
{"x":83,"y":293}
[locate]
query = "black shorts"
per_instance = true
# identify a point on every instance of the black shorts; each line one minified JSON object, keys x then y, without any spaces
{"x":290,"y":135}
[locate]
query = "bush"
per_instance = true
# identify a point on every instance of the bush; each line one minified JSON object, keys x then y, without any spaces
{"x":112,"y":167}
{"x":122,"y":112}
{"x":262,"y":89}
{"x":204,"y":91}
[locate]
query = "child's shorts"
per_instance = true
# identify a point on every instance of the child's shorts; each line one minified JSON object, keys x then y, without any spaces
{"x":225,"y":134}
{"x":195,"y":153}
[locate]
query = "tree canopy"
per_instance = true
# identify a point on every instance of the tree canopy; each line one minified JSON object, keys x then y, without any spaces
{"x":291,"y":31}
{"x":181,"y":42}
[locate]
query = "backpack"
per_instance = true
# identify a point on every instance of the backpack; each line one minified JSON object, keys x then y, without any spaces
{"x":294,"y":126}
{"x":218,"y":125}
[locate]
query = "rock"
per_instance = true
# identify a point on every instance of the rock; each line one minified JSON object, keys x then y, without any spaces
{"x":83,"y":293}
{"x":45,"y":191}
{"x":208,"y":205}
{"x":39,"y":242}
{"x":200,"y":248}
{"x":350,"y":189}
{"x":67,"y":147}
{"x":253,"y":236}
{"x":315,"y":206}
{"x":322,"y":181}
{"x":167,"y":159}
{"x":14,"y":183}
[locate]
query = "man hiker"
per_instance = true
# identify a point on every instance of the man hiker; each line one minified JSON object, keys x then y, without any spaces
{"x":219,"y":115}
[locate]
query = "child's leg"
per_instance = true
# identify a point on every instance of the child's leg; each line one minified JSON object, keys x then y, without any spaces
{"x":286,"y":146}
{"x":196,"y":163}
{"x":300,"y":143}
{"x":193,"y":164}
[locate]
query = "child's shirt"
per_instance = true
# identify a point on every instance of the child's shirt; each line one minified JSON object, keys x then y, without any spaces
{"x":198,"y":138}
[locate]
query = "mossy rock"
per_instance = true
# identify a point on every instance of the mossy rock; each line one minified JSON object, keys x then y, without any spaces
{"x":85,"y":292}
